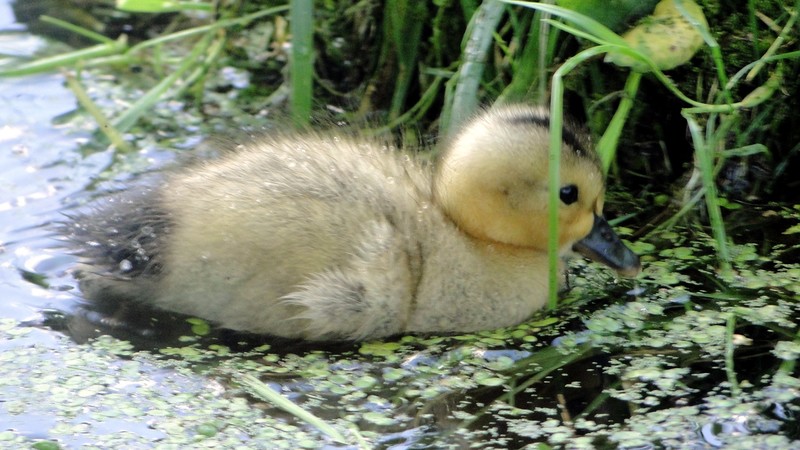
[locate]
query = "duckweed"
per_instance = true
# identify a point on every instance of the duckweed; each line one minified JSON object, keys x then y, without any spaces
{"x":46,"y":445}
{"x":379,"y":418}
{"x":654,"y":374}
{"x":787,"y":351}
{"x":486,"y":378}
{"x":86,"y":403}
{"x":387,"y":350}
{"x":200,"y":327}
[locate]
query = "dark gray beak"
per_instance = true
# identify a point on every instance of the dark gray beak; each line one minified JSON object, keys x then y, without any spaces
{"x":604,"y":246}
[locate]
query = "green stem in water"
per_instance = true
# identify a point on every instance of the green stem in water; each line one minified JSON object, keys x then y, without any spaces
{"x":113,"y":135}
{"x":729,"y":349}
{"x":705,"y":159}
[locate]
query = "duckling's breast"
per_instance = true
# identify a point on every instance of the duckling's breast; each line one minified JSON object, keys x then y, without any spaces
{"x":469,"y":285}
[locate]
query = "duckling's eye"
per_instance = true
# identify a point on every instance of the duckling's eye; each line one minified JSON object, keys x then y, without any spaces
{"x":569,"y":194}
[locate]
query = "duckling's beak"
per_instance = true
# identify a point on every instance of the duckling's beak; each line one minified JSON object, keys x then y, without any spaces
{"x":604,"y":246}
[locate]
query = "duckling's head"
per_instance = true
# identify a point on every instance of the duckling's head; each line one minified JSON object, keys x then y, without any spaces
{"x":492,"y":181}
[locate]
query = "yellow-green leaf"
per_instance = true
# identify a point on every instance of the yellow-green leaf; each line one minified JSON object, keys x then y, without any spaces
{"x":666,"y":37}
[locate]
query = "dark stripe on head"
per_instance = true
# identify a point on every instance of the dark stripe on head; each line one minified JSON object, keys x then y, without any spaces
{"x":568,"y":134}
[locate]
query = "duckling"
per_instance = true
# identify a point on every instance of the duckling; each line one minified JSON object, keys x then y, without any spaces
{"x":325,"y":237}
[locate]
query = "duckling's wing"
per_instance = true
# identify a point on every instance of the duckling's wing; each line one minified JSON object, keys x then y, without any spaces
{"x":285,"y":238}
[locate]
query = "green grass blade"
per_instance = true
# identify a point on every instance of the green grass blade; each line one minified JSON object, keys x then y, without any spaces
{"x":415,"y":112}
{"x":533,"y":370}
{"x":704,"y":153}
{"x":577,"y":32}
{"x":81,"y":31}
{"x":480,"y":35}
{"x":754,"y":98}
{"x":113,"y":135}
{"x":119,"y":50}
{"x":607,"y":145}
{"x":745,"y":150}
{"x":730,"y":347}
{"x":162,"y":6}
{"x":261,"y":390}
{"x":239,"y":21}
{"x":716,"y":52}
{"x":776,"y":44}
{"x":589,"y":25}
{"x":556,"y":117}
{"x":531,"y":80}
{"x":156,"y":94}
{"x":67,"y":59}
{"x":301,"y":19}
{"x":590,"y":29}
{"x":404,"y":21}
{"x":554,"y":185}
{"x":547,"y":361}
{"x":744,"y":70}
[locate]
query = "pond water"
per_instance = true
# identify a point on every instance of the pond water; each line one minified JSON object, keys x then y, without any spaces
{"x":647,"y":371}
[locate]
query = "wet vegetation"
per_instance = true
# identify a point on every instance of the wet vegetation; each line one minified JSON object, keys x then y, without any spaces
{"x":701,"y":147}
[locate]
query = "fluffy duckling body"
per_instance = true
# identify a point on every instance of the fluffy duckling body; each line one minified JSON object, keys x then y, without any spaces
{"x":323,"y":237}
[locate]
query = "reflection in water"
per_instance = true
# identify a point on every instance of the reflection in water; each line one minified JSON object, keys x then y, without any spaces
{"x":38,"y":175}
